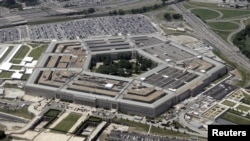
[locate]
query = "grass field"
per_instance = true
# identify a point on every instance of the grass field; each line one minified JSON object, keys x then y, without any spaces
{"x":33,"y":45}
{"x":222,"y":34}
{"x":37,"y":52}
{"x":203,"y":4}
{"x":243,"y":108}
{"x":205,"y":14}
{"x":20,"y":55}
{"x":228,"y":103}
{"x":25,"y":76}
{"x":16,"y":67}
{"x":67,"y":122}
{"x":223,"y":25}
{"x":6,"y":53}
{"x":235,"y":118}
{"x":6,"y":74}
{"x":23,"y":112}
{"x":233,"y":13}
{"x":52,"y":113}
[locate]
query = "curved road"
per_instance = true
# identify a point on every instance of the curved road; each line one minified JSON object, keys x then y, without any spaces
{"x":206,"y":33}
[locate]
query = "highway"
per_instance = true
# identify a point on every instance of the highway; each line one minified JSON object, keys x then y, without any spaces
{"x":206,"y":33}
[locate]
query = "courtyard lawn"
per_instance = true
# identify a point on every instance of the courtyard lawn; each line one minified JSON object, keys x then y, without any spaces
{"x":37,"y":52}
{"x":228,"y":103}
{"x":16,"y":67}
{"x":235,"y":118}
{"x":67,"y":123}
{"x":243,"y":108}
{"x":52,"y":113}
{"x":21,"y":53}
{"x":6,"y":74}
{"x":205,"y":14}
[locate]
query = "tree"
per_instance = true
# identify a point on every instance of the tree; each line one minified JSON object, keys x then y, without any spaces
{"x":121,"y":12}
{"x":223,"y":1}
{"x":2,"y":134}
{"x":167,"y":16}
{"x":164,"y":1}
{"x":91,"y":10}
{"x":177,"y":16}
{"x":115,"y":12}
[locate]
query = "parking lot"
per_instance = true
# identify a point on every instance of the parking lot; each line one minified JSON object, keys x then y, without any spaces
{"x":84,"y":28}
{"x":93,"y":27}
{"x":127,"y":136}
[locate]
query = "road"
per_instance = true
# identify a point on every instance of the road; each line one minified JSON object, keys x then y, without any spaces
{"x":206,"y":33}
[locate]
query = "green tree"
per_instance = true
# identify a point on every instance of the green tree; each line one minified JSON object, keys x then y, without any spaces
{"x":177,"y":16}
{"x":2,"y":134}
{"x":91,"y":10}
{"x":121,"y":12}
{"x":167,"y":16}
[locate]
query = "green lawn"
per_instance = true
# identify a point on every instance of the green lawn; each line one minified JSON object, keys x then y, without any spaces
{"x":33,"y":45}
{"x":23,"y":112}
{"x":222,"y":34}
{"x":235,"y":118}
{"x":16,"y":67}
{"x":37,"y":52}
{"x":233,"y":13}
{"x":6,"y":53}
{"x":25,"y":77}
{"x":6,"y":74}
{"x":205,"y":14}
{"x":203,"y":4}
{"x":52,"y":113}
{"x":223,"y":25}
{"x":67,"y":122}
{"x":187,"y":6}
{"x":228,"y":103}
{"x":243,"y":108}
{"x":20,"y":55}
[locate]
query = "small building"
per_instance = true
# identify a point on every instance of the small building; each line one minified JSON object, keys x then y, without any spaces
{"x":28,"y":59}
{"x":5,"y":66}
{"x":16,"y":75}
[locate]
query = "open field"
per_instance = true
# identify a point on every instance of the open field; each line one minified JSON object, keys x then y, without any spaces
{"x":223,"y":25}
{"x":20,"y":55}
{"x":222,"y":34}
{"x":37,"y":52}
{"x":230,"y":13}
{"x":67,"y":122}
{"x":23,"y":112}
{"x":205,"y":14}
{"x":235,"y":118}
{"x":202,"y":4}
{"x":228,"y":103}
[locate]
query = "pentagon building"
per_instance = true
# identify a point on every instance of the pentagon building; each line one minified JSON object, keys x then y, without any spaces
{"x":63,"y":72}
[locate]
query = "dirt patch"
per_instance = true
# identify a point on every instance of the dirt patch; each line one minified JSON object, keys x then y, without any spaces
{"x":183,"y":38}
